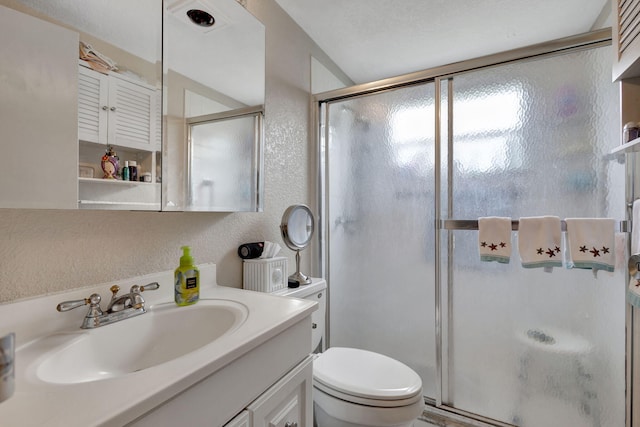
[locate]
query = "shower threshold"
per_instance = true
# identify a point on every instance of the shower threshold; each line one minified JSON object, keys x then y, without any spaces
{"x":446,"y":417}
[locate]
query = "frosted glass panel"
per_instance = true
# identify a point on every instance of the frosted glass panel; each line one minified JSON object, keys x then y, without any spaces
{"x":529,"y":347}
{"x":381,"y":216}
{"x":223,"y":165}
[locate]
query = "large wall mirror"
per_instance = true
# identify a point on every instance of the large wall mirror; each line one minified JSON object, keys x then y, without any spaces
{"x":81,"y":90}
{"x":214,"y":69}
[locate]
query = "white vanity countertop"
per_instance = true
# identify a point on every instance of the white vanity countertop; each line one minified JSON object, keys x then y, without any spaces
{"x":119,"y":400}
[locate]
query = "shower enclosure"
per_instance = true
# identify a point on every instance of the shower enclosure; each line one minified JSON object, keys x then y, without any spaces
{"x":408,"y":165}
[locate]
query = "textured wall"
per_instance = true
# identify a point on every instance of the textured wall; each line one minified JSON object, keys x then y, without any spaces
{"x":46,"y":251}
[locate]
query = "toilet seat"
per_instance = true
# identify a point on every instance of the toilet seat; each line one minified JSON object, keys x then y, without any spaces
{"x":366,"y":378}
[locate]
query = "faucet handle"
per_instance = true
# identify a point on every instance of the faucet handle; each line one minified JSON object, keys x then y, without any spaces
{"x":136,"y":299}
{"x":150,"y":287}
{"x":94,"y":300}
{"x":114,"y":290}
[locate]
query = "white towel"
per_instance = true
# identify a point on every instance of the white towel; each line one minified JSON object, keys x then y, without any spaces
{"x":539,"y":242}
{"x":591,"y":243}
{"x":633,"y":293}
{"x":494,"y":239}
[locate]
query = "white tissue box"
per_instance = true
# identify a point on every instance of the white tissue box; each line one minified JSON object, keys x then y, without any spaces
{"x":265,"y":275}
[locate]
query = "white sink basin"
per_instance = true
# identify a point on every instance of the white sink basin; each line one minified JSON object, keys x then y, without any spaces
{"x":164,"y":333}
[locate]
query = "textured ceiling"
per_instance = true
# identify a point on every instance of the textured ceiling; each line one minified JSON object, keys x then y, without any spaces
{"x":374,"y":39}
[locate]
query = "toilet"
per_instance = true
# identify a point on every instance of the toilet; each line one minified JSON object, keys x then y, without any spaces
{"x":353,"y":387}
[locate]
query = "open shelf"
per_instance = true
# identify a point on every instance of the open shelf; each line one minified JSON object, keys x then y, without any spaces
{"x":106,"y":204}
{"x":114,"y":194}
{"x":101,"y":181}
{"x":629,"y":147}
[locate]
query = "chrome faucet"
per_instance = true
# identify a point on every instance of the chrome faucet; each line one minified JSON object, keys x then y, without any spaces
{"x":119,"y":308}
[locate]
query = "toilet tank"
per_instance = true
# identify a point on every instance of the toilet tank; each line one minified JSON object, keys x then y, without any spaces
{"x":315,"y":291}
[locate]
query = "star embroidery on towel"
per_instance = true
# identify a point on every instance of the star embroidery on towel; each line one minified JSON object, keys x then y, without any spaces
{"x":493,"y":247}
{"x":557,"y":249}
{"x":483,"y":244}
{"x":551,"y":253}
{"x":595,"y":252}
{"x":583,"y":249}
{"x":605,"y":250}
{"x":503,"y":245}
{"x":540,"y":251}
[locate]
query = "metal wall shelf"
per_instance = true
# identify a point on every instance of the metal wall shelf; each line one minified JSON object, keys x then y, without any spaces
{"x":468,"y":224}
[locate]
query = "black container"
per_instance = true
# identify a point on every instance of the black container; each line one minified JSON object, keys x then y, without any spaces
{"x":250,"y":250}
{"x":133,"y":172}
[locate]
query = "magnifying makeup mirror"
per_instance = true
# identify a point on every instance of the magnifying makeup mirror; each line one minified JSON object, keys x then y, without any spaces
{"x":297,"y":228}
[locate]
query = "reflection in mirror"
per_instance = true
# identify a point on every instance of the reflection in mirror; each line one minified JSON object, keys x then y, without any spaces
{"x":225,"y":160}
{"x":209,"y":71}
{"x":64,"y":110}
{"x":297,"y":229}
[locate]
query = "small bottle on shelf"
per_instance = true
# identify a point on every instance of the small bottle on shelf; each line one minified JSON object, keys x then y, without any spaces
{"x":133,"y":170}
{"x":630,"y":131}
{"x":125,"y":171}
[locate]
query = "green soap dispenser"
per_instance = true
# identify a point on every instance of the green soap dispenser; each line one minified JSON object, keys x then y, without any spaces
{"x":187,"y":280}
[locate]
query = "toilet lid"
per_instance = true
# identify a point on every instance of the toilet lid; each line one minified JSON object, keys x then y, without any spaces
{"x":365,"y":374}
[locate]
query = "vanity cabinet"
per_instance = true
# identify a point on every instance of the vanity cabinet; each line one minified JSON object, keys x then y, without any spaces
{"x":626,"y":40}
{"x":270,"y":385}
{"x":117,"y":111}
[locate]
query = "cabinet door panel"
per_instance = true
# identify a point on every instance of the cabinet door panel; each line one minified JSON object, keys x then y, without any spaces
{"x":242,"y":420}
{"x":38,"y":115}
{"x":289,"y":402}
{"x":626,"y":39}
{"x":92,"y":106}
{"x":132,"y":121}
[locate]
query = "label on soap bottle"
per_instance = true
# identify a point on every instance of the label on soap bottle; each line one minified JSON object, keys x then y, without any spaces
{"x":186,"y":287}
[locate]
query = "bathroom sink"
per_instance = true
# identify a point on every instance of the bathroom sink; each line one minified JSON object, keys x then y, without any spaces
{"x":164,"y":333}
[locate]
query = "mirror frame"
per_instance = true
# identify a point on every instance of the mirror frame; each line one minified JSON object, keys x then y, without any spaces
{"x":284,"y":227}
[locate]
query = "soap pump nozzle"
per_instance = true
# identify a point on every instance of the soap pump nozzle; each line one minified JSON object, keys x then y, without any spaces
{"x":186,"y":259}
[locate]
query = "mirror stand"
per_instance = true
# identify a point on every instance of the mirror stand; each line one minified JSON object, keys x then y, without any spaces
{"x":298,"y":278}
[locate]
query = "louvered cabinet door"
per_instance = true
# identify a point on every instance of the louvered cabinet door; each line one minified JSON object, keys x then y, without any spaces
{"x":626,"y":40}
{"x":93,"y":106}
{"x":132,"y":115}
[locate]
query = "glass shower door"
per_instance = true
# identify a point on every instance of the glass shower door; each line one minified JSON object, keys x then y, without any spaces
{"x":494,"y":341}
{"x":380,"y":225}
{"x":525,"y":346}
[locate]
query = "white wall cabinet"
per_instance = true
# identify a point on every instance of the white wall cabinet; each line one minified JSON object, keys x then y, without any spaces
{"x":626,"y":39}
{"x":117,"y":111}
